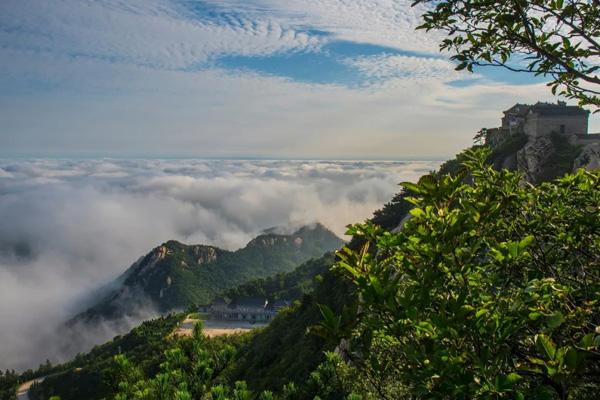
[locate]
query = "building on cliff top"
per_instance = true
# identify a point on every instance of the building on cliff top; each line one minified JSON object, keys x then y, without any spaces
{"x":542,"y":119}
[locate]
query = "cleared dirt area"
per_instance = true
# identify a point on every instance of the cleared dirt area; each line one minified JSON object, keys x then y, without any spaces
{"x":186,"y":327}
{"x":219,"y":328}
{"x":214,"y":328}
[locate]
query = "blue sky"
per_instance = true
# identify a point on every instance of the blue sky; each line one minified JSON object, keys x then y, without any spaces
{"x":233,"y":78}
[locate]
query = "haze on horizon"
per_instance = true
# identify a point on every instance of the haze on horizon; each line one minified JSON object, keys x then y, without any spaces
{"x":233,"y":78}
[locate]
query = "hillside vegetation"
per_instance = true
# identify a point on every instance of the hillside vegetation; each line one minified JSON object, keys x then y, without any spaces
{"x":87,"y":375}
{"x":286,"y":285}
{"x":490,"y":290}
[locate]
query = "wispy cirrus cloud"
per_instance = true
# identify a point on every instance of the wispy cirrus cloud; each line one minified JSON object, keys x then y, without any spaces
{"x":194,"y":35}
{"x":154,"y":33}
{"x":387,"y":23}
{"x":314,"y":78}
{"x":383,"y":67}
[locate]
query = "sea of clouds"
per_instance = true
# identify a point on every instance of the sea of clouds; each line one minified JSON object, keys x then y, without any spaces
{"x":71,"y":226}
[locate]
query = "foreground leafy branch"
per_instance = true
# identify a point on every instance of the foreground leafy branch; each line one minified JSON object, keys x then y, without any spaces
{"x":555,"y":38}
{"x":490,"y":290}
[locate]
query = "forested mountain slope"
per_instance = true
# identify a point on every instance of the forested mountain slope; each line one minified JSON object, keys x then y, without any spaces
{"x":286,"y":285}
{"x":175,"y":276}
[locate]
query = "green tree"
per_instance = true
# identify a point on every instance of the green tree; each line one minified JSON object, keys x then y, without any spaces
{"x":189,"y":370}
{"x":490,"y":290}
{"x":555,"y":38}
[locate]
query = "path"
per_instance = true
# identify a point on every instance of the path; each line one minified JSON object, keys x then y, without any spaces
{"x":23,"y":390}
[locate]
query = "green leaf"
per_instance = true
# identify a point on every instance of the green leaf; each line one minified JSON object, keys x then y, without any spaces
{"x":526,"y":241}
{"x":572,"y":358}
{"x":535,"y":315}
{"x":555,"y":320}
{"x":587,"y":341}
{"x":551,"y":370}
{"x":519,"y":396}
{"x":505,"y":383}
{"x":350,"y":269}
{"x":330,"y":320}
{"x":416,"y":212}
{"x":513,"y":378}
{"x":545,"y":346}
{"x":513,"y":249}
{"x":412,"y":187}
{"x":461,"y":66}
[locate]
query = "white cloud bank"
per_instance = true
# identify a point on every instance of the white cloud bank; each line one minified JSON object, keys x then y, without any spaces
{"x":69,"y":226}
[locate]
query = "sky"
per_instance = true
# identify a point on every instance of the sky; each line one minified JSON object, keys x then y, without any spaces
{"x":70,"y":227}
{"x":325,"y":79}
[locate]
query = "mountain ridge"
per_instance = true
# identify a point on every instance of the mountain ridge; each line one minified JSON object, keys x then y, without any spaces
{"x":175,"y":275}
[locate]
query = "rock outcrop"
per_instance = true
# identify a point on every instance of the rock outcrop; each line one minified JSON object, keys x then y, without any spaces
{"x":546,"y":157}
{"x":589,"y":157}
{"x":534,"y":156}
{"x":204,"y":254}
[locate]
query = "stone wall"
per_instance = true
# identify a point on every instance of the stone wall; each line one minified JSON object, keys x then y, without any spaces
{"x":542,"y":125}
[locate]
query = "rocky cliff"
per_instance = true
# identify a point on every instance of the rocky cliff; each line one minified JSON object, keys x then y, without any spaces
{"x":545,"y":157}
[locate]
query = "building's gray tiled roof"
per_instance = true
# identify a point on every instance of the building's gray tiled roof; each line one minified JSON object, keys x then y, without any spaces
{"x":547,"y":109}
{"x":249,"y":302}
{"x":518,"y":109}
{"x":550,"y":109}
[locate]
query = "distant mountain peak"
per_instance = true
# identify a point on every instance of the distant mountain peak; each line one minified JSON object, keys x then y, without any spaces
{"x":293,"y":229}
{"x":274,"y":236}
{"x":174,"y":275}
{"x":315,"y":227}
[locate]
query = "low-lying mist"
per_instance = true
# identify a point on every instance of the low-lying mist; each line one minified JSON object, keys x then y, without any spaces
{"x":70,"y":226}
